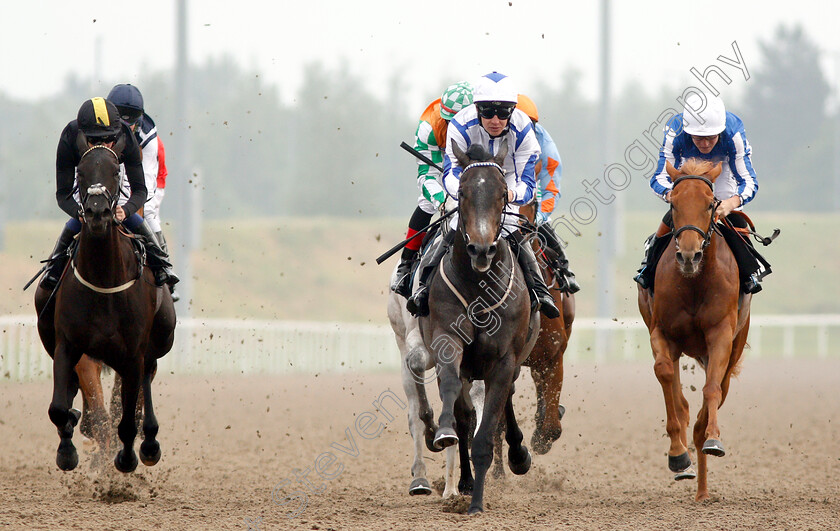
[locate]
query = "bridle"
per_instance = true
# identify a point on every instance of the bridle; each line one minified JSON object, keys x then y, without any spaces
{"x":706,"y":234}
{"x":461,"y":228}
{"x":99,"y":188}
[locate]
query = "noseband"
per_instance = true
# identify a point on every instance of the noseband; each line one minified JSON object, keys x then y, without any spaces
{"x":707,"y":234}
{"x":461,"y":227}
{"x":99,"y":188}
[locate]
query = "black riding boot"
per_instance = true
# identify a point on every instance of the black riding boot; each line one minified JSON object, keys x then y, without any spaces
{"x":402,"y":280}
{"x":533,"y":277}
{"x":57,"y":259}
{"x":418,"y":304}
{"x":156,"y":258}
{"x":566,"y":281}
{"x":162,"y":241}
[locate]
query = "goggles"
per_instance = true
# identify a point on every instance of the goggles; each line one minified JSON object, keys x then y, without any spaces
{"x":490,"y":110}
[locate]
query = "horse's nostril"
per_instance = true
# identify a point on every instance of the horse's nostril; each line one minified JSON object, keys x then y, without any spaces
{"x":680,"y":258}
{"x":697,"y":256}
{"x":491,"y":251}
{"x":471,"y":249}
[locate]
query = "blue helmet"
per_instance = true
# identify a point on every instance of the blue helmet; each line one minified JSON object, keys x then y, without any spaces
{"x":128,"y":100}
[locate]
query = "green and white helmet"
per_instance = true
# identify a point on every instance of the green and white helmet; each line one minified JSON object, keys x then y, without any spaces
{"x":455,"y":98}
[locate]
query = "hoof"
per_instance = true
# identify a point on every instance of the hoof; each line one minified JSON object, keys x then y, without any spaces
{"x":444,"y":438}
{"x":465,"y":486}
{"x":713,"y":447}
{"x":126,"y":464}
{"x":150,"y":452}
{"x":678,"y":463}
{"x":688,"y":473}
{"x":430,"y":441}
{"x":67,"y":458}
{"x":561,"y":410}
{"x":419,"y":486}
{"x":475,"y":510}
{"x":520,"y":466}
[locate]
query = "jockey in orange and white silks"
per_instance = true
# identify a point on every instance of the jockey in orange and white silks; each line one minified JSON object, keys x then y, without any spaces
{"x":549,"y":168}
{"x":493,"y":121}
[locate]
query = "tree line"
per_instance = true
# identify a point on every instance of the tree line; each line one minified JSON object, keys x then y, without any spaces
{"x":334,"y":149}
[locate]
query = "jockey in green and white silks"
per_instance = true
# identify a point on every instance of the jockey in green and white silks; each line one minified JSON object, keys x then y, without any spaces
{"x":429,"y":140}
{"x":491,"y":122}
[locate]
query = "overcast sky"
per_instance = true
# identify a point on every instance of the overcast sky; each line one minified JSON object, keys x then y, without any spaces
{"x":654,"y":41}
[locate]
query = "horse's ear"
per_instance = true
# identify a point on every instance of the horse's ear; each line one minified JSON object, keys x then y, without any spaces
{"x":715,"y":172}
{"x":462,"y":157}
{"x":672,"y":171}
{"x":500,"y":156}
{"x":81,"y":143}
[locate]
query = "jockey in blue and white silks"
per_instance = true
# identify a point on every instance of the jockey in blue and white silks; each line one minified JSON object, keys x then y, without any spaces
{"x":493,"y":121}
{"x":520,"y":163}
{"x":732,"y":148}
{"x":706,"y":130}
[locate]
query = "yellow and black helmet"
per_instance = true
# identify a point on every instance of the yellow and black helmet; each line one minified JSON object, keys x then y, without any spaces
{"x":99,"y":118}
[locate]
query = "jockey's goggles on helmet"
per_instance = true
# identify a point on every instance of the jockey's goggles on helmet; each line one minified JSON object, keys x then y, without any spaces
{"x":490,"y":109}
{"x":102,"y":139}
{"x":131,"y":116}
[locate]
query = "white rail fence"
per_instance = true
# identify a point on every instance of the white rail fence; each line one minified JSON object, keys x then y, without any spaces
{"x":220,"y":346}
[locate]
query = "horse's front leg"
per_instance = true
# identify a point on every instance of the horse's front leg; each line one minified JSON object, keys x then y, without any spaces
{"x":448,"y":352}
{"x":150,"y":447}
{"x":719,"y":347}
{"x":498,"y":382}
{"x":666,"y":364}
{"x":65,"y":386}
{"x":130,"y":374}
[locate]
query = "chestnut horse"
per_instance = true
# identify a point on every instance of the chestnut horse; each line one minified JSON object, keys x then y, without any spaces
{"x":480,"y":324}
{"x":545,"y":361}
{"x":109,"y":309}
{"x":697,"y":310}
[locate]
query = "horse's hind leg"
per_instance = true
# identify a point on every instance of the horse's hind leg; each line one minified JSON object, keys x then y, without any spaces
{"x":94,"y":424}
{"x":65,"y":386}
{"x":419,"y":483}
{"x":126,"y":460}
{"x":519,"y":458}
{"x":149,"y":448}
{"x":548,"y":379}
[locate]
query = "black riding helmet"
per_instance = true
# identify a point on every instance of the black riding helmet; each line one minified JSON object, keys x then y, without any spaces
{"x":99,"y":119}
{"x":129,"y":102}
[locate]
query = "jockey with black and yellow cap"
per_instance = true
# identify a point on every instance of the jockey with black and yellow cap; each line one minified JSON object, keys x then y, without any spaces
{"x":99,"y":122}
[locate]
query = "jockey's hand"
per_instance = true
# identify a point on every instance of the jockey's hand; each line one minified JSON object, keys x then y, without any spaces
{"x":727,"y":206}
{"x":542,"y":217}
{"x":668,"y":196}
{"x":119,"y":214}
{"x":511,"y":195}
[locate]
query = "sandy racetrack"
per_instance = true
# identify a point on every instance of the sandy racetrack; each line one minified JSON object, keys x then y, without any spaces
{"x":228,"y":442}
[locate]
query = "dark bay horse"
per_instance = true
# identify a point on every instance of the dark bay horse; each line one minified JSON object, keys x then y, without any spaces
{"x":108,"y":307}
{"x":697,"y":310}
{"x":480,"y":324}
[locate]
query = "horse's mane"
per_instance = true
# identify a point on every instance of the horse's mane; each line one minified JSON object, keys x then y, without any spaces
{"x":695,"y":166}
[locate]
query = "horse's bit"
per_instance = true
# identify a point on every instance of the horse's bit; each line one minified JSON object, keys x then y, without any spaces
{"x":707,"y":234}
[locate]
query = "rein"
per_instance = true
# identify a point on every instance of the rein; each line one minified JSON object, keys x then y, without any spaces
{"x":706,"y":234}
